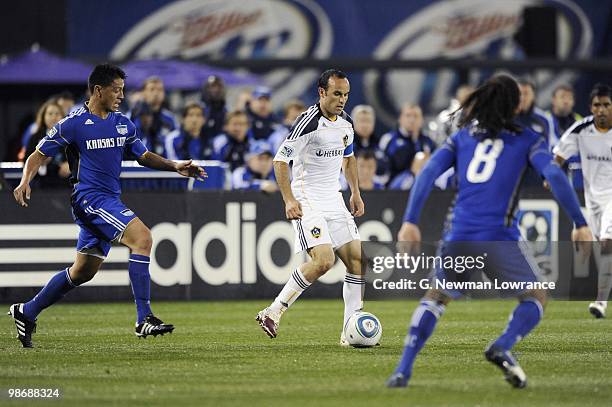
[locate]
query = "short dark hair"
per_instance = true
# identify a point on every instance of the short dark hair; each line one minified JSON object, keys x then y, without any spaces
{"x":599,"y":90}
{"x":563,"y":86}
{"x":104,"y":75}
{"x":366,"y":154}
{"x":192,"y":105}
{"x":66,"y":94}
{"x":527,"y":80}
{"x":493,"y":105}
{"x":324,"y":78}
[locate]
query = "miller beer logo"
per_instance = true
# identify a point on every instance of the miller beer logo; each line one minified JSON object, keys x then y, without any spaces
{"x":228,"y":29}
{"x":464,"y":29}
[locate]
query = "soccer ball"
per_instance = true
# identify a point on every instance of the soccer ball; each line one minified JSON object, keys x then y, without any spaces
{"x":363,"y":330}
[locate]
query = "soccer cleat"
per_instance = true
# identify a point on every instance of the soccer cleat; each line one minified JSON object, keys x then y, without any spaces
{"x":152,"y":326}
{"x":397,"y":379}
{"x":268,"y":321}
{"x":25,"y":327}
{"x":598,"y":309}
{"x":513,"y":373}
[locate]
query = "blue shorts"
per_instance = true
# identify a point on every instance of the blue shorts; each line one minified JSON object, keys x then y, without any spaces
{"x":102,"y":219}
{"x":504,"y":262}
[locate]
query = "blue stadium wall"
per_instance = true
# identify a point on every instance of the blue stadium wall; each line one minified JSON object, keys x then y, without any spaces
{"x":212,"y":245}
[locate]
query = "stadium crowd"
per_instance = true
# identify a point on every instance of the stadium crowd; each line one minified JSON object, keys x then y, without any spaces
{"x":247,"y":134}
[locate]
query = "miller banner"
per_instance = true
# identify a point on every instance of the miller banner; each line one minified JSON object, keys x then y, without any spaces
{"x":319,"y":29}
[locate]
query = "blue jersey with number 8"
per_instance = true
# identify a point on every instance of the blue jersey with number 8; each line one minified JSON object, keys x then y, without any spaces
{"x":489,"y":173}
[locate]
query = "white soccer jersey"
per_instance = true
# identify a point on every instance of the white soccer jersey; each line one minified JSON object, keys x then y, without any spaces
{"x":595,"y":149}
{"x":317,"y":147}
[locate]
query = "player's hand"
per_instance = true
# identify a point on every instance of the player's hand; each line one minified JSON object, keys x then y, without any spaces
{"x":188,"y":169}
{"x":409,"y":238}
{"x":546,"y":185}
{"x":22,"y":194}
{"x":293,"y":209}
{"x":356,"y":205}
{"x":583,"y":240}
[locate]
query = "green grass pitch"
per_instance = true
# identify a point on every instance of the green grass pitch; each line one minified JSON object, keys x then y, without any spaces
{"x":218,"y":356}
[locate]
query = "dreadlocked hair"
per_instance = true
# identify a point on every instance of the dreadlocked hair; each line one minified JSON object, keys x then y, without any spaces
{"x":492,"y":106}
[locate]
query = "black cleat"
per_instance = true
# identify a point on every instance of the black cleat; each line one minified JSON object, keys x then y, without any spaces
{"x":25,"y":327}
{"x":513,"y":373}
{"x":397,"y":380}
{"x":152,"y":326}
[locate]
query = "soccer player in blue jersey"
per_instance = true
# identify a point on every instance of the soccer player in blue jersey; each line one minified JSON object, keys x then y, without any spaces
{"x":95,"y":138}
{"x":489,"y":153}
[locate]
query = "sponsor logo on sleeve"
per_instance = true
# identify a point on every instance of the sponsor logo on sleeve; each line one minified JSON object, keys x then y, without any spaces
{"x":286,"y":151}
{"x":51,"y":132}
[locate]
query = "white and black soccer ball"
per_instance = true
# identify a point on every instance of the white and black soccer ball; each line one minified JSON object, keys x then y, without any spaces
{"x":363,"y":330}
{"x":535,"y":228}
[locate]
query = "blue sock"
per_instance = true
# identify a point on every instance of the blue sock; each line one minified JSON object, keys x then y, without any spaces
{"x":524,"y":318}
{"x":54,"y":291}
{"x":141,"y":285}
{"x":422,"y":325}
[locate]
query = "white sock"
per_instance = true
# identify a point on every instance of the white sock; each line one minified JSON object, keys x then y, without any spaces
{"x":604,"y":277}
{"x":295,"y":286}
{"x":352,"y":292}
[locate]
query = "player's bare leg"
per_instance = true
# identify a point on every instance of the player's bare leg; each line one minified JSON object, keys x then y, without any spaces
{"x":354,"y":282}
{"x":137,"y":237}
{"x":321,"y":260}
{"x":422,"y":324}
{"x":604,"y":279}
{"x":84,"y":269}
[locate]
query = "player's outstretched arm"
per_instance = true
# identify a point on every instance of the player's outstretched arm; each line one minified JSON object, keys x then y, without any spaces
{"x":356,"y":204}
{"x":293,"y":209}
{"x":440,"y":161}
{"x":30,"y":169}
{"x":185,"y":168}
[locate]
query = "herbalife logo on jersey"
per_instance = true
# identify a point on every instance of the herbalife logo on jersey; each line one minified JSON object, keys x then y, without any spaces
{"x":330,"y":153}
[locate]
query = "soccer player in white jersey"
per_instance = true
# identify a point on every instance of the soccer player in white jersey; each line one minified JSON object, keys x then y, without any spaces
{"x":592,"y":138}
{"x":320,"y":145}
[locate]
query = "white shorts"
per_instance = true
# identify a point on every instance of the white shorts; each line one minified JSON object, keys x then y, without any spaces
{"x":335,"y":226}
{"x":601,"y":223}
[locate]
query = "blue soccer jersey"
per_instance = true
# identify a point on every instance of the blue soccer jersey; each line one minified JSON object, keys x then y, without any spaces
{"x":94,"y":147}
{"x":489,"y":173}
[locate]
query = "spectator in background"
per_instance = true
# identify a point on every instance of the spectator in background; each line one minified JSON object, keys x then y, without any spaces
{"x":530,"y":115}
{"x":366,"y":169}
{"x":66,"y":101}
{"x":563,"y":116}
{"x":55,"y":172}
{"x":536,"y":119}
{"x":562,"y":110}
{"x":163,"y":120}
{"x":257,"y":174}
{"x":445,"y":123}
{"x":214,"y":99}
{"x":189,"y":142}
{"x":232,"y":146}
{"x":263,"y":121}
{"x":291,"y":111}
{"x":402,"y":145}
{"x":143,"y":117}
{"x":364,"y":121}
